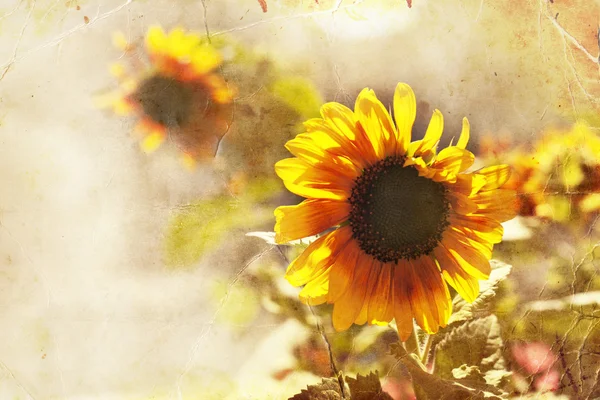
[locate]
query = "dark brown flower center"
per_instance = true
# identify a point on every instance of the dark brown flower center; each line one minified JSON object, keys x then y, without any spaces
{"x":166,"y":100}
{"x":397,"y":214}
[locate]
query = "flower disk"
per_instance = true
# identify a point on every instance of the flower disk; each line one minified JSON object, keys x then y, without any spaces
{"x":397,"y":220}
{"x":396,"y":214}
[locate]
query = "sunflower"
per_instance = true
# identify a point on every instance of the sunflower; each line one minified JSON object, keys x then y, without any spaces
{"x":177,"y":93}
{"x":557,"y":177}
{"x":398,"y":221}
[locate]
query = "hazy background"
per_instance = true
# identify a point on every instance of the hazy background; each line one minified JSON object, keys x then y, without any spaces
{"x":87,"y":308}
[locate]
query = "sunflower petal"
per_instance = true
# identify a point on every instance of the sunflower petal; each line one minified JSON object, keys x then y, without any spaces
{"x":402,"y":310}
{"x":495,"y":176}
{"x":432,"y":135}
{"x":348,"y":307}
{"x":454,"y":160}
{"x":498,"y":204}
{"x":376,"y":122}
{"x":318,"y":256}
{"x":464,"y":134}
{"x":308,"y":218}
{"x":305,"y":180}
{"x":469,"y":259}
{"x":315,"y":292}
{"x":465,"y":284}
{"x":405,"y":112}
{"x":431,"y":302}
{"x":380,"y":300}
{"x":342,"y":271}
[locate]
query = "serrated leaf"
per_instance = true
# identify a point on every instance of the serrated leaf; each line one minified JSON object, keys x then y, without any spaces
{"x":328,"y":389}
{"x":476,"y":343}
{"x":367,"y":388}
{"x":465,"y":311}
{"x":432,"y":387}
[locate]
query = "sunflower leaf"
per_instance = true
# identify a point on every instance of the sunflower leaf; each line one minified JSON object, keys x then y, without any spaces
{"x":367,"y":388}
{"x":480,"y":307}
{"x":475,"y":344}
{"x":328,"y":389}
{"x":430,"y":387}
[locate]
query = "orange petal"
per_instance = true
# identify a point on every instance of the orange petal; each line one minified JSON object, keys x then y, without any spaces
{"x":318,"y":256}
{"x":376,"y":122}
{"x":469,"y":259}
{"x":308,"y":218}
{"x":461,"y":204}
{"x":466,"y":285}
{"x":342,"y":270}
{"x":431,"y":302}
{"x":305,"y":180}
{"x":402,"y":297}
{"x":347,"y":308}
{"x":381,"y":298}
{"x":498,"y":204}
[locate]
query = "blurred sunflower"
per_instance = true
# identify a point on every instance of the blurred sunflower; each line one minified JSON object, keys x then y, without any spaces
{"x":401,"y":219}
{"x":177,"y":94}
{"x":559,"y":177}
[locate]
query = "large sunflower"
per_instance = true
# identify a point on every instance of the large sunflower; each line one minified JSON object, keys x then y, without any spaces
{"x":401,"y":220}
{"x":177,"y":94}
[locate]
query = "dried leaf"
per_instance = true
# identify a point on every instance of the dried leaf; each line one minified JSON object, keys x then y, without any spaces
{"x":328,"y":389}
{"x":432,"y":387}
{"x":476,"y":343}
{"x":367,"y":388}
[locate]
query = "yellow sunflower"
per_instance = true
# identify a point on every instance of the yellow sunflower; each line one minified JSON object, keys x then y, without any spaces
{"x":176,"y":94}
{"x":400,"y":219}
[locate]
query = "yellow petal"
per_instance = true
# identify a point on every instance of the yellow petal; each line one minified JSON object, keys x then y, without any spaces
{"x":495,"y":176}
{"x":461,"y":204}
{"x":590,"y":203}
{"x":431,"y":302}
{"x":315,"y":292}
{"x":454,"y":160}
{"x":153,"y":141}
{"x":205,"y":58}
{"x":318,"y":256}
{"x":376,"y":122}
{"x":432,"y":135}
{"x":305,"y":180}
{"x":469,"y":259}
{"x":405,"y":112}
{"x":156,"y":40}
{"x":308,"y":218}
{"x":466,"y":285}
{"x":464,"y":134}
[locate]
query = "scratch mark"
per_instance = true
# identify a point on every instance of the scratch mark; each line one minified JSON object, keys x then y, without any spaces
{"x":58,"y":39}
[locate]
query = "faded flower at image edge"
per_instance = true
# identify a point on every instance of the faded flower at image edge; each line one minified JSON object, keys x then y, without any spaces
{"x":177,"y":94}
{"x":402,"y":220}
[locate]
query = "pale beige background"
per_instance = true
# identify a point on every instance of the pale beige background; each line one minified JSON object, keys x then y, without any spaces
{"x":87,"y":309}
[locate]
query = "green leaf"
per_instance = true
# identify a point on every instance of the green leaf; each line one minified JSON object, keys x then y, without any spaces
{"x":476,"y":343}
{"x":465,"y":311}
{"x":328,"y":389}
{"x":201,"y":226}
{"x":432,"y":387}
{"x":299,"y":94}
{"x":367,"y":388}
